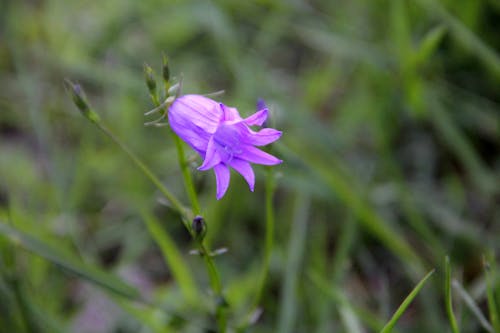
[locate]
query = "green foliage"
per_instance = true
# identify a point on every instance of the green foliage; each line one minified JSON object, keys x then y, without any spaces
{"x":404,"y":306}
{"x":390,"y":113}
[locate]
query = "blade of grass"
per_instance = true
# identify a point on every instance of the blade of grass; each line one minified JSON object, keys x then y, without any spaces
{"x":296,"y":247}
{"x":62,"y":258}
{"x":471,"y":304}
{"x":402,"y":308}
{"x":350,"y":320}
{"x":172,"y":256}
{"x":338,"y":267}
{"x":490,"y":293}
{"x":269,"y":238}
{"x":336,"y":295}
{"x":429,"y":44}
{"x":458,"y":143}
{"x":340,"y":184}
{"x":145,"y":316}
{"x":448,"y":300}
{"x":346,"y":241}
{"x":464,"y":36}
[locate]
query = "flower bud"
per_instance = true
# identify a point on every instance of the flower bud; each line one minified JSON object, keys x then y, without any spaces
{"x":199,"y":228}
{"x":165,"y":70}
{"x":150,"y":79}
{"x":80,"y":101}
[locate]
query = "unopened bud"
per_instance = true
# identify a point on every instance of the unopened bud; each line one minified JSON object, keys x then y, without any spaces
{"x":199,"y":228}
{"x":150,"y":79}
{"x":165,"y":69}
{"x":80,"y":101}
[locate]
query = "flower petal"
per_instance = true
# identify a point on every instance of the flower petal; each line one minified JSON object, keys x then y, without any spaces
{"x":261,"y":105}
{"x":222,"y":177}
{"x":258,"y":118}
{"x":244,"y":169}
{"x":263,"y":137}
{"x":230,"y":114}
{"x":255,"y":155}
{"x":212,"y":158}
{"x":195,"y":111}
{"x":196,"y":137}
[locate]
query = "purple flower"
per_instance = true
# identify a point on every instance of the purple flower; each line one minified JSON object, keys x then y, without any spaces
{"x":222,"y":138}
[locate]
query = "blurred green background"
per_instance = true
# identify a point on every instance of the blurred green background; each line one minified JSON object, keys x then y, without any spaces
{"x":390,"y":113}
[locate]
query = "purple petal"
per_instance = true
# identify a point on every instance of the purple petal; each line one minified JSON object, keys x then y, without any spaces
{"x":230,"y":114}
{"x":244,"y":169}
{"x":261,"y":105}
{"x":212,"y":158}
{"x":258,"y":118}
{"x":222,"y":177}
{"x":195,"y":111}
{"x":255,"y":155}
{"x":193,"y":135}
{"x":263,"y":137}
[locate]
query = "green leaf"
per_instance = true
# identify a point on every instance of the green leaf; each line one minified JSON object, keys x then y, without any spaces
{"x":473,"y":307}
{"x":464,"y":36}
{"x":402,"y":308}
{"x":172,"y":256}
{"x":429,"y":44}
{"x":490,"y":293}
{"x":334,"y":174}
{"x":66,"y":260}
{"x":447,"y":290}
{"x":344,"y":303}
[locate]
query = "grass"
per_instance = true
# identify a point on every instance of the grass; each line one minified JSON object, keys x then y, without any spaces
{"x":390,"y":114}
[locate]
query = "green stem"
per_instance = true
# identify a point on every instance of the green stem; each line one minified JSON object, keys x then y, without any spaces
{"x":220,"y":311}
{"x":188,"y":180}
{"x":176,"y":204}
{"x":212,"y":271}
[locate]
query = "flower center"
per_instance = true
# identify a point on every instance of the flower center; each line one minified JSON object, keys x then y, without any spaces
{"x":228,"y":140}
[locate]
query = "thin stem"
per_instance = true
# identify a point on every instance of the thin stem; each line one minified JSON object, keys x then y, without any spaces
{"x":215,"y":283}
{"x":188,"y":180}
{"x":212,"y":270}
{"x":176,"y":204}
{"x":448,"y":300}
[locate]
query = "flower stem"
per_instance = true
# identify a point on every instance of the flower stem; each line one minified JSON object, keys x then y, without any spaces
{"x":213,"y":274}
{"x":220,"y":307}
{"x":176,"y":204}
{"x":188,"y":180}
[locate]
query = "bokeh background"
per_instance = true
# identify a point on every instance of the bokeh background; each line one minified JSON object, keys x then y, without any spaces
{"x":390,"y":113}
